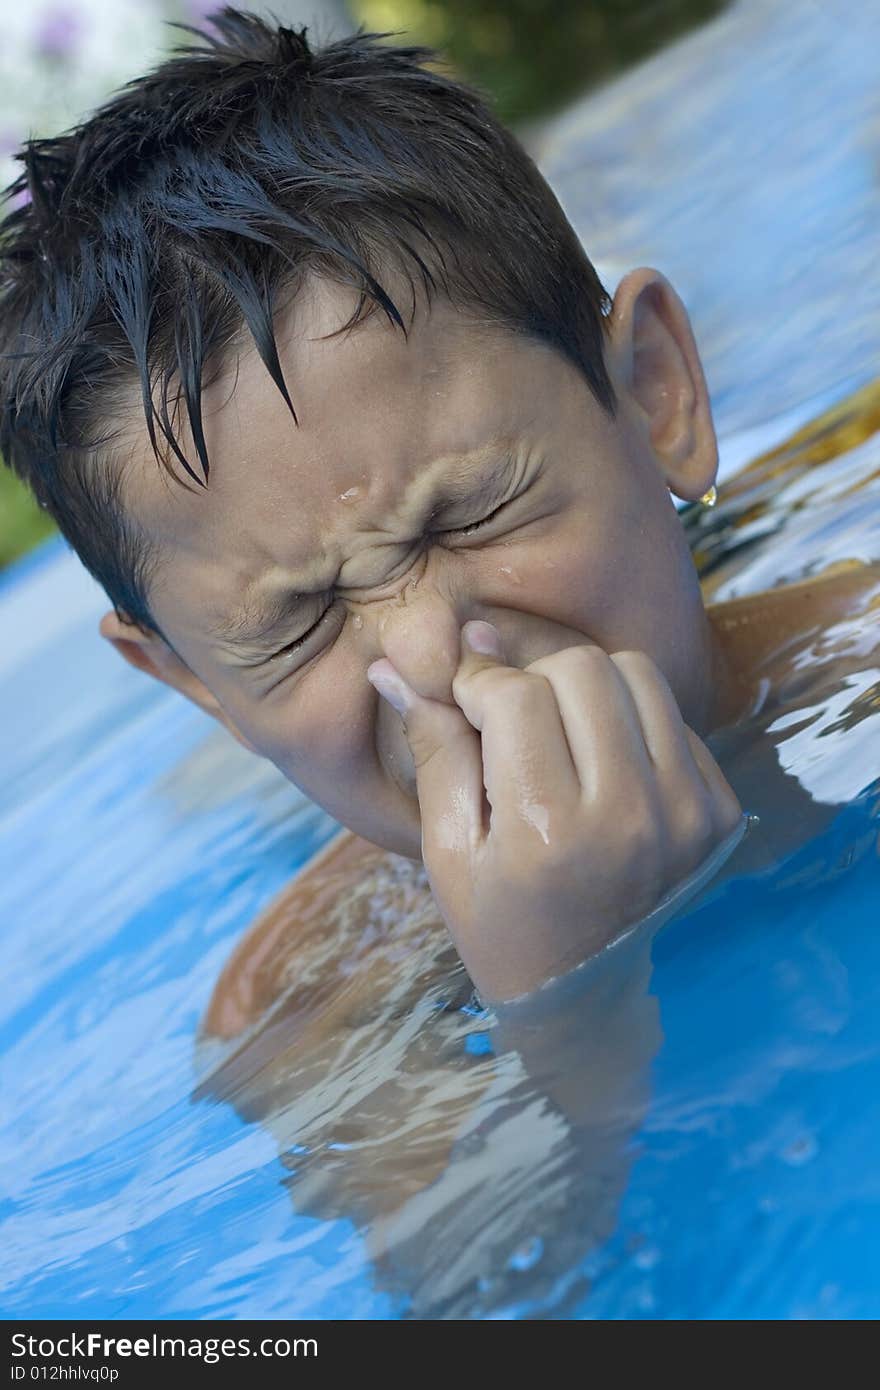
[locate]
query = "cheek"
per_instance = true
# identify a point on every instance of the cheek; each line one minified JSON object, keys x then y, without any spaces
{"x":564,"y":573}
{"x":323,"y":738}
{"x":634,"y":586}
{"x":318,"y":730}
{"x":611,"y":577}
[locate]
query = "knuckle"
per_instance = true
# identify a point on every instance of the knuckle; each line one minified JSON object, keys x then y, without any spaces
{"x":634,"y":659}
{"x":529,"y":695}
{"x":635,"y":665}
{"x":490,"y":681}
{"x":640,"y":831}
{"x":523,"y":696}
{"x":694,"y":823}
{"x":571,"y":660}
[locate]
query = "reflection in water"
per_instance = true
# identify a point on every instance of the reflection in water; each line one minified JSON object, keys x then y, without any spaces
{"x":817,"y":494}
{"x":480,"y":1160}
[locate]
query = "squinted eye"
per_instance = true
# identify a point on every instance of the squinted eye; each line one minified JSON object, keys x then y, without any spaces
{"x":474,"y":525}
{"x":298,"y":642}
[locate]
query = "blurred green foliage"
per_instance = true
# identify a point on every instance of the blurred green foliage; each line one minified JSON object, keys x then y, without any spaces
{"x":535,"y":56}
{"x":22,"y":522}
{"x":531,"y":56}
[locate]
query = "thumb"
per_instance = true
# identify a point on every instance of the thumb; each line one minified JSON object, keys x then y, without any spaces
{"x":448,"y":762}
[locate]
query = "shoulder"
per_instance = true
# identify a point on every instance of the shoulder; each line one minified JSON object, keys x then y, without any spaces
{"x":844,"y":606}
{"x":830,"y":618}
{"x":820,"y":663}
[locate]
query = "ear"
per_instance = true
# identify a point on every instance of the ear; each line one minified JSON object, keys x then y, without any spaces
{"x":653,"y":357}
{"x":151,"y":653}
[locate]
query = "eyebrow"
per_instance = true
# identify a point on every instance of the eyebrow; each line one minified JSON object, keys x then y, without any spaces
{"x":256,"y":620}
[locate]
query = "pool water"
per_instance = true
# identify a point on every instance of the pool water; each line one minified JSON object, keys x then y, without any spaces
{"x":722,"y":1157}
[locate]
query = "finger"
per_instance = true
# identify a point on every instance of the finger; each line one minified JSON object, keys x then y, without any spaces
{"x":528,"y":773}
{"x":448,"y":764}
{"x":481,"y":650}
{"x":686,"y":801}
{"x":697,"y":800}
{"x":600,"y":720}
{"x":664,"y":731}
{"x":725,"y":802}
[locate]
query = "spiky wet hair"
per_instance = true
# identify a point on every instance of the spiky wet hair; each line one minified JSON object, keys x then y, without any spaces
{"x":148,"y":238}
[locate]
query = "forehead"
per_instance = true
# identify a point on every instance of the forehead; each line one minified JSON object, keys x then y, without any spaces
{"x":375,"y":410}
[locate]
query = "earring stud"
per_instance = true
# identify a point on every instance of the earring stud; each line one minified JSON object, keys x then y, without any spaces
{"x":709,"y":498}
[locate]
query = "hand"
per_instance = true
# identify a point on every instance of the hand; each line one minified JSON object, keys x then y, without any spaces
{"x":559,"y":803}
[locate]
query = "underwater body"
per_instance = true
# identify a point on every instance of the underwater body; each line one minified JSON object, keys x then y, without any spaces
{"x":411,"y":1167}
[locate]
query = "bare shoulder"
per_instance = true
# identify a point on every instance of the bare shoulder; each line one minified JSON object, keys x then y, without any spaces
{"x":314,"y":928}
{"x":843,"y":608}
{"x":811,"y":638}
{"x":834,"y":615}
{"x":848,"y":591}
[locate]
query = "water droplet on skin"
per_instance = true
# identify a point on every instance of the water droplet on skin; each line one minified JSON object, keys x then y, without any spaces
{"x":357,"y":622}
{"x":510,"y":574}
{"x":348,"y":495}
{"x":450,"y":828}
{"x":539,"y":818}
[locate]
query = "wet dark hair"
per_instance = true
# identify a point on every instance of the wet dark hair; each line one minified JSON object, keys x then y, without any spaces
{"x":150,"y":236}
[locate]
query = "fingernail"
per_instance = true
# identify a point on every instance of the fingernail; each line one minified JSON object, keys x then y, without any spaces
{"x":391,"y":688}
{"x":483,"y":638}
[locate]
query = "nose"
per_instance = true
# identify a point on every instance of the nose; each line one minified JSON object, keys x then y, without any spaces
{"x":418,"y":629}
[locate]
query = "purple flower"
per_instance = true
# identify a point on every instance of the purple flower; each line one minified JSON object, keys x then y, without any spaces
{"x":57,"y":31}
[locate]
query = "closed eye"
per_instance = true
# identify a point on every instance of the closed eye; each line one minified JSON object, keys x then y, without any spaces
{"x":474,"y":525}
{"x":301,"y":641}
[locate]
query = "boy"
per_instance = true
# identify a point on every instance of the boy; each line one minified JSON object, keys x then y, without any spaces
{"x":413,"y":540}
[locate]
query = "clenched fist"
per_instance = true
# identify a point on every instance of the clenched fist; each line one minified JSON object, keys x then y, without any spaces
{"x":559,"y":803}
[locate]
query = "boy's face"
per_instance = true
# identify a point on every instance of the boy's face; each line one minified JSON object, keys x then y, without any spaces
{"x":464,"y":473}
